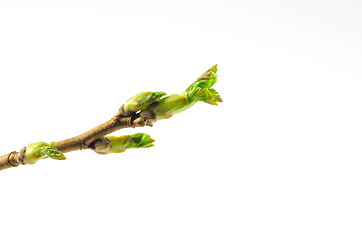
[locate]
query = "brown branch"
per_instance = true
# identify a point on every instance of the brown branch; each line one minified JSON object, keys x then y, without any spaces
{"x":9,"y":160}
{"x":91,"y":139}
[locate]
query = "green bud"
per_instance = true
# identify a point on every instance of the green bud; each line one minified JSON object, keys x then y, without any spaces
{"x":118,"y":143}
{"x":199,"y":90}
{"x":140,"y":102}
{"x":170,"y":105}
{"x":39,"y":150}
{"x":124,"y":142}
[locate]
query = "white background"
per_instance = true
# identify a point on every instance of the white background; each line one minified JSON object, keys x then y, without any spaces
{"x":279,"y":159}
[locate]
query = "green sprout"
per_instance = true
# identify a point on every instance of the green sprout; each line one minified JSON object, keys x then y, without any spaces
{"x":199,"y":90}
{"x":39,"y":150}
{"x":124,"y":142}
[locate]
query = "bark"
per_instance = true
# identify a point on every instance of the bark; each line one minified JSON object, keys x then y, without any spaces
{"x":9,"y":160}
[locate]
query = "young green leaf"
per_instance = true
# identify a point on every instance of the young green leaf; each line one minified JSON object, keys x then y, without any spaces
{"x":52,"y":152}
{"x":140,"y":140}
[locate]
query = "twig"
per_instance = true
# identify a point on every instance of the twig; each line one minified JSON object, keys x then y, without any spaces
{"x":141,"y":110}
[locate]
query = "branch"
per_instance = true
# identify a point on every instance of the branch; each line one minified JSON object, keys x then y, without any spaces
{"x":141,"y":110}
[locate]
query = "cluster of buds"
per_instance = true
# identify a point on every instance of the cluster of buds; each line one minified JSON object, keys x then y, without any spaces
{"x":157,"y":106}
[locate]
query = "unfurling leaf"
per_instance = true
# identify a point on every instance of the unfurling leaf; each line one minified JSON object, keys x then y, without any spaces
{"x":140,"y":140}
{"x":52,"y":152}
